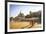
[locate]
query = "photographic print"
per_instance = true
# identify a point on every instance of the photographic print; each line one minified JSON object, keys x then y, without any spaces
{"x":24,"y":17}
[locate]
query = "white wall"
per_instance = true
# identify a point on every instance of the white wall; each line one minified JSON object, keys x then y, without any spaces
{"x":2,"y":12}
{"x":2,"y":16}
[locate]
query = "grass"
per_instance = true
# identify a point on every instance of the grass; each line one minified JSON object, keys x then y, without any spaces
{"x":23,"y":25}
{"x":20,"y":25}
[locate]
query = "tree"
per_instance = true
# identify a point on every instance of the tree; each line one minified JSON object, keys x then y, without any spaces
{"x":40,"y":17}
{"x":11,"y":18}
{"x":27,"y":16}
{"x":21,"y":14}
{"x":30,"y":13}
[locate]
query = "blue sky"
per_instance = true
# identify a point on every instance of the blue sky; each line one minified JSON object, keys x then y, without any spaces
{"x":16,"y":9}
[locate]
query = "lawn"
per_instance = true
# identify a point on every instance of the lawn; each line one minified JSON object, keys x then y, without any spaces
{"x":20,"y":25}
{"x":23,"y":25}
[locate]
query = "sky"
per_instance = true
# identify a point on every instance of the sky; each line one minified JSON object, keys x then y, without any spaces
{"x":16,"y":9}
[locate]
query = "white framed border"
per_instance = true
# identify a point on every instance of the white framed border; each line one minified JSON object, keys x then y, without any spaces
{"x":15,"y":30}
